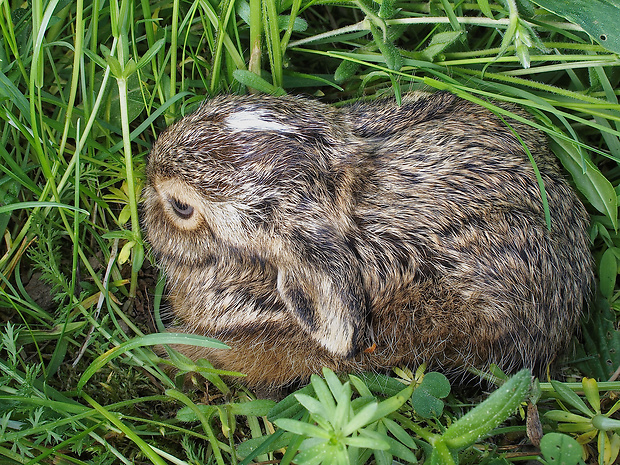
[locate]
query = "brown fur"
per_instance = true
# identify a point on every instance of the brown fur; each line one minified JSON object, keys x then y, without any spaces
{"x":301,"y":235}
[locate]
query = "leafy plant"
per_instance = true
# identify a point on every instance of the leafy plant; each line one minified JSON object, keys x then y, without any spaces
{"x":590,"y":422}
{"x":558,"y":448}
{"x":340,"y":429}
{"x":337,"y":429}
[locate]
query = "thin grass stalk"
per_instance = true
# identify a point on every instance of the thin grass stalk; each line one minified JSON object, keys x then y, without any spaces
{"x":40,"y":20}
{"x":221,"y":36}
{"x":173,"y":56}
{"x":454,"y":22}
{"x":9,"y":35}
{"x":227,"y":42}
{"x":36,"y":82}
{"x":148,"y":25}
{"x":289,"y":29}
{"x":512,"y":80}
{"x":256,"y":27}
{"x":156,"y":66}
{"x":112,"y":418}
{"x":120,"y":20}
{"x":50,"y":176}
{"x":89,"y":96}
{"x":272,"y":35}
{"x":186,"y":25}
{"x":364,"y":25}
{"x":75,"y":74}
{"x":131,"y":189}
{"x":204,"y":421}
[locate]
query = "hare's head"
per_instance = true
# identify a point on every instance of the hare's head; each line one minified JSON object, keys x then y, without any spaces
{"x":270,"y":179}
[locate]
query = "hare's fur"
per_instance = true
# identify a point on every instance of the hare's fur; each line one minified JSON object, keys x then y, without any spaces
{"x":365,"y":237}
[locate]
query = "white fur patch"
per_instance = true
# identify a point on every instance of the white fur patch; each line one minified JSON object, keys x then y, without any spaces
{"x":254,"y":120}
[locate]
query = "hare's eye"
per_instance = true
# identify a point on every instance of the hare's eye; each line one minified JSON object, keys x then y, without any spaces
{"x":182,"y":210}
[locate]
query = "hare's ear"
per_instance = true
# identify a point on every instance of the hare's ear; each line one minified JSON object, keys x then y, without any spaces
{"x":324,"y":293}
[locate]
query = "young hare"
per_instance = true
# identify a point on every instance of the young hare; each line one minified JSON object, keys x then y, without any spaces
{"x":364,"y":237}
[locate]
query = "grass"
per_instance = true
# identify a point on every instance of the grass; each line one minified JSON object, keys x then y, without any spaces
{"x":86,"y":86}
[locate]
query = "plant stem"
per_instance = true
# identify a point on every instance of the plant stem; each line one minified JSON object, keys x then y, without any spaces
{"x":255,"y":37}
{"x":474,"y":21}
{"x":173,"y":58}
{"x":272,"y":35}
{"x":131,"y":194}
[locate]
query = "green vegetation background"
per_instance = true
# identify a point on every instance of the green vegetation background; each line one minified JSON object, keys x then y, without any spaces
{"x":86,"y":86}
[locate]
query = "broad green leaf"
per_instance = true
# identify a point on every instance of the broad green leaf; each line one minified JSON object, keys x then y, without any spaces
{"x":360,"y":387}
{"x":590,"y":389}
{"x":391,"y":404}
{"x":562,"y":415}
{"x":387,"y":10}
{"x":323,"y":392}
{"x":312,"y":405}
{"x":319,"y":453}
{"x":490,"y":413}
{"x":299,"y":24}
{"x":399,"y":450}
{"x":599,"y":355}
{"x":368,"y":440}
{"x":614,"y":448}
{"x":346,"y":70}
{"x":608,"y":272}
{"x":125,"y":252}
{"x":258,"y":408}
{"x":337,"y":389}
{"x":588,"y":179}
{"x":439,"y":43}
{"x":360,"y":419}
{"x":289,"y":407}
{"x":265,"y":443}
{"x":301,"y":427}
{"x":567,"y":395}
{"x":560,"y":449}
{"x":115,"y":66}
{"x":381,"y":384}
{"x":604,"y":448}
{"x":599,"y":18}
{"x":441,"y":454}
{"x":110,"y":111}
{"x":426,"y":405}
{"x":485,"y":8}
{"x":253,"y":81}
{"x":392,"y":56}
{"x":96,"y":58}
{"x":135,"y":102}
{"x":383,"y":457}
{"x":151,"y":52}
{"x":400,"y":433}
{"x":426,"y":399}
{"x":343,"y":406}
{"x":129,"y":68}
